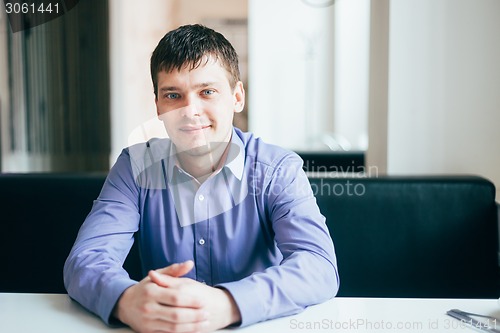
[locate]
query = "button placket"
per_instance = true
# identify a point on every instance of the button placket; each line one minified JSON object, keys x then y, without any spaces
{"x":202,"y":252}
{"x":201,"y":202}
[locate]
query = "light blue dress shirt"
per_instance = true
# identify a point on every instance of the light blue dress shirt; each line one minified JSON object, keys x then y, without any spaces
{"x":253,"y":228}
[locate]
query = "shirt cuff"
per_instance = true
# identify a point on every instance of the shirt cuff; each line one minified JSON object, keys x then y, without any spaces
{"x":243,"y":293}
{"x":109,"y":297}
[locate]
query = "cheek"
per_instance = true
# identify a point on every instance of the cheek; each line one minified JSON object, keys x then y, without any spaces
{"x":165,"y":117}
{"x":169,"y":121}
{"x":224,"y":108}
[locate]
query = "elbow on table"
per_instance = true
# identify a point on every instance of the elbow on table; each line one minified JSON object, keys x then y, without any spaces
{"x":327,"y":282}
{"x":332,"y":282}
{"x":335,"y":282}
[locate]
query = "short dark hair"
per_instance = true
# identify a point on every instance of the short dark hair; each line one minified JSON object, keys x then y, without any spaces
{"x":187,"y":46}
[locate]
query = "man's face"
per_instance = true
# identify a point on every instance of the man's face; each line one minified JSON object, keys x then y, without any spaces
{"x":197,"y":107}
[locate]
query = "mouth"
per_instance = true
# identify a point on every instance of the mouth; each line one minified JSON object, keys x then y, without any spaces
{"x":194,"y":128}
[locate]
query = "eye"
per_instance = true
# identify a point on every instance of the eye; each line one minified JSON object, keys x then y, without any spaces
{"x":208,"y":92}
{"x":171,"y":96}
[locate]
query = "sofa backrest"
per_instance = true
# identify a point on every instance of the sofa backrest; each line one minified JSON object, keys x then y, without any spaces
{"x":41,"y":215}
{"x":399,"y":237}
{"x":413,"y":236}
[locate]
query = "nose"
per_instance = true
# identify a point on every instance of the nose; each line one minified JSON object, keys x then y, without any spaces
{"x":192,"y":108}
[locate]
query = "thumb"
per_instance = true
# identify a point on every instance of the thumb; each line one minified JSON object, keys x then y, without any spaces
{"x":163,"y":280}
{"x":178,"y":269}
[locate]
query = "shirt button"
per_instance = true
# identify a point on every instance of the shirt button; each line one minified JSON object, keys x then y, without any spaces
{"x":201,"y":197}
{"x":201,"y":241}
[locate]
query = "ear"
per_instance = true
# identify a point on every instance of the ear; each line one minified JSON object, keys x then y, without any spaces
{"x":239,"y":97}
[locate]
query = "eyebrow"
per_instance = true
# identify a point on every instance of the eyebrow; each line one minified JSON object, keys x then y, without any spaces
{"x":199,"y":85}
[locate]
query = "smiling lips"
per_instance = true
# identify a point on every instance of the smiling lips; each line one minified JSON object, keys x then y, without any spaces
{"x":196,"y":128}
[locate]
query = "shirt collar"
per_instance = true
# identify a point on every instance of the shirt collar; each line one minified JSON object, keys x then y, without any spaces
{"x":235,"y":160}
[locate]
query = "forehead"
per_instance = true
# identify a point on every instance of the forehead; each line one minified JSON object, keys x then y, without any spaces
{"x":208,"y":69}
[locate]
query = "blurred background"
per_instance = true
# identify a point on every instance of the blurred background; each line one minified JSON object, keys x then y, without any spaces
{"x":411,"y":85}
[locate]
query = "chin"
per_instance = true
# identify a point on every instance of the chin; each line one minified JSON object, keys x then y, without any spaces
{"x":198,"y":151}
{"x":194,"y":150}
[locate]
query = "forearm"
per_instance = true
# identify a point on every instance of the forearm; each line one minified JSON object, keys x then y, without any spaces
{"x":96,"y":286}
{"x":303,"y":279}
{"x":93,"y":272}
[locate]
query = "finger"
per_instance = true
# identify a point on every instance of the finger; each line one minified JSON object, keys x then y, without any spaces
{"x":175,"y":298}
{"x":177,"y":270}
{"x":180,"y":315}
{"x":163,"y":280}
{"x":166,"y":326}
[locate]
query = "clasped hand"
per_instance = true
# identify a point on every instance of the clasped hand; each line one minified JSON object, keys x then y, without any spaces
{"x":164,"y":301}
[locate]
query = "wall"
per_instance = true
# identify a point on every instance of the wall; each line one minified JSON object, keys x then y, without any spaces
{"x":376,"y":154}
{"x":351,"y":71}
{"x":291,"y":72}
{"x":200,"y":11}
{"x":309,"y":73}
{"x":135,"y":29}
{"x":444,"y":83}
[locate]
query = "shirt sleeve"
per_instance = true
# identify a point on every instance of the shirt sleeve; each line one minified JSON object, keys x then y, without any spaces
{"x":308,"y":273}
{"x":93,"y":272}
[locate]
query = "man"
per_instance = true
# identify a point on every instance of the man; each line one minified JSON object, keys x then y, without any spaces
{"x":228,"y":228}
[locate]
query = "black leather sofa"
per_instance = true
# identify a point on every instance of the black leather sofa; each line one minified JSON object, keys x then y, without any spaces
{"x":413,"y":236}
{"x":394,"y":236}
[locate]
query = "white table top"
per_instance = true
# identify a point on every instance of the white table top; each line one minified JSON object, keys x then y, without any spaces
{"x":57,"y":313}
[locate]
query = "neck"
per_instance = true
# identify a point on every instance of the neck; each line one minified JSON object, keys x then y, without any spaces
{"x":203,"y":165}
